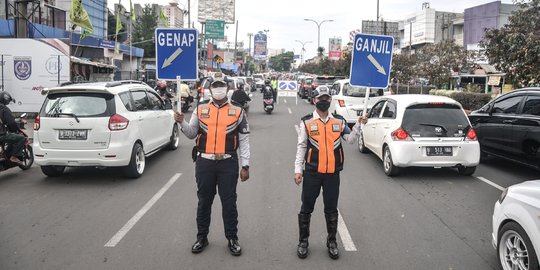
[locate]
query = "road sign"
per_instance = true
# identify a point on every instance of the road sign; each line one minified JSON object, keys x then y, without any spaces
{"x":214,"y":29}
{"x":287,"y":89}
{"x":371,"y":60}
{"x":176,"y":54}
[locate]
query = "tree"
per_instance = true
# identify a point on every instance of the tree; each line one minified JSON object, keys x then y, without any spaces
{"x":144,"y":29}
{"x":515,"y":48}
{"x":403,"y":67}
{"x":282,"y":62}
{"x":320,"y":51}
{"x":111,"y":27}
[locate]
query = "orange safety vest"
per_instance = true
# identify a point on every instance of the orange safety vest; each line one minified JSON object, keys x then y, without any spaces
{"x":324,"y":151}
{"x":218,"y":128}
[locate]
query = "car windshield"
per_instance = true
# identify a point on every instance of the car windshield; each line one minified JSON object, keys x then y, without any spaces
{"x":80,"y":105}
{"x":324,"y":80}
{"x":435,"y":120}
{"x":353,"y":91}
{"x":309,"y":81}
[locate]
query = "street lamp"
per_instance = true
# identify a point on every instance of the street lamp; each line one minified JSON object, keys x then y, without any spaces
{"x":303,"y":50}
{"x":267,"y":58}
{"x":318,"y":30}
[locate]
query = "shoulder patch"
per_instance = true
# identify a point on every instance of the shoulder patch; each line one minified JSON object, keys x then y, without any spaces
{"x":338,"y":116}
{"x":307,"y":117}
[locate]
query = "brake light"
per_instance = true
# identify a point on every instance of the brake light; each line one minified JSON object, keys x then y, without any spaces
{"x":437,"y":103}
{"x":118,"y":122}
{"x":37,"y":124}
{"x":401,"y":135}
{"x":341,"y":103}
{"x":471,"y":135}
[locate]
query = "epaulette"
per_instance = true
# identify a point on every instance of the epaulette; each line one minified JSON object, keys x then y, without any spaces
{"x":203,"y":102}
{"x":309,"y":116}
{"x":338,"y":116}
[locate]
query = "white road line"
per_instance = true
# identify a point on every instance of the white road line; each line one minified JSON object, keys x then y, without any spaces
{"x":346,"y":239}
{"x":129,"y":225}
{"x":489,"y":183}
{"x":290,"y":112}
{"x":297,"y":129}
{"x":285,"y":101}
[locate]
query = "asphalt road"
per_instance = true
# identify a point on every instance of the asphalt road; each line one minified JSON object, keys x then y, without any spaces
{"x":96,"y":219}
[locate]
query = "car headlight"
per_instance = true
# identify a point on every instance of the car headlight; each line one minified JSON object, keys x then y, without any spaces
{"x":503,"y":195}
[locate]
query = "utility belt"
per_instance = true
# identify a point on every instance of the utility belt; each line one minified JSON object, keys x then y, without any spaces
{"x":195,"y":154}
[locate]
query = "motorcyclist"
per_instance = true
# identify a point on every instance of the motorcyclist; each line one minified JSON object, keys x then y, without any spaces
{"x":9,"y":130}
{"x":161,"y":88}
{"x":185,"y":94}
{"x":240,"y":97}
{"x":268,"y":84}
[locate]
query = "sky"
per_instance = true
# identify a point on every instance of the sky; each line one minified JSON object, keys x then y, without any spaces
{"x":285,"y":18}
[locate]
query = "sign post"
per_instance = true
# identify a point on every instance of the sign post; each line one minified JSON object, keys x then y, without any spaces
{"x":176,"y":54}
{"x":287,"y":89}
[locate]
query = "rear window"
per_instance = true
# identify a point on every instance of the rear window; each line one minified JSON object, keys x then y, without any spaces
{"x":325,"y":80}
{"x":309,"y":81}
{"x":79,"y":104}
{"x":357,"y":91}
{"x":435,"y":120}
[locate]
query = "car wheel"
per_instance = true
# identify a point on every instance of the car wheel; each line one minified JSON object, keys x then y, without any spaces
{"x":515,"y":249}
{"x":361,"y":146}
{"x":137,"y":162}
{"x":175,"y":138}
{"x":466,"y":171}
{"x":28,"y":158}
{"x":389,"y":168}
{"x":53,"y":171}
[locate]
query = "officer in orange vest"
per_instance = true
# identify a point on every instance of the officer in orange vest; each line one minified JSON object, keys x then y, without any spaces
{"x":319,"y":159}
{"x":221,"y":128}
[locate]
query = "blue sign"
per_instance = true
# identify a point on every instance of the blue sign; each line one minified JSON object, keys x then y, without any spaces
{"x":371,"y":61}
{"x":287,"y":85}
{"x":176,"y":54}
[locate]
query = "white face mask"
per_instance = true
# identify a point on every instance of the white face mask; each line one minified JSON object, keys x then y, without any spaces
{"x":219,"y":93}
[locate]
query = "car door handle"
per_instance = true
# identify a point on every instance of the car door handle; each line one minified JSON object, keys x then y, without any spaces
{"x":508,"y":121}
{"x":387,"y":127}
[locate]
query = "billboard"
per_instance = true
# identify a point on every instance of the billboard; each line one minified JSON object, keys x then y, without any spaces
{"x":31,"y":65}
{"x":222,"y":10}
{"x":334,"y":49}
{"x":259,"y":47}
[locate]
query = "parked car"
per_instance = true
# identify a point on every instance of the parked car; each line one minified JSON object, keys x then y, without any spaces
{"x":104,"y":124}
{"x":420,"y":131}
{"x":348,"y":101}
{"x":509,"y":127}
{"x":516,"y":226}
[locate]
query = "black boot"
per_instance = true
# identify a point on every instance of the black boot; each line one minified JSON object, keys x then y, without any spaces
{"x":303,"y":224}
{"x":331,"y":227}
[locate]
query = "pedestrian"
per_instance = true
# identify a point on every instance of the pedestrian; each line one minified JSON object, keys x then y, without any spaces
{"x":319,"y":160}
{"x":220,"y":128}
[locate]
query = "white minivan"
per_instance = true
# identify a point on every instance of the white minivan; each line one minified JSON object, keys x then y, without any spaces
{"x":106,"y":124}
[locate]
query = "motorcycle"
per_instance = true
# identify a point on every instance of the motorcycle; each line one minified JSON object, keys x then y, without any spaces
{"x":186,"y":103}
{"x":28,"y":155}
{"x":268,"y":100}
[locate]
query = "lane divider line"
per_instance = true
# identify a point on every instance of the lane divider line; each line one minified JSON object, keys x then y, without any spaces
{"x":131,"y":223}
{"x":290,"y":112}
{"x":489,"y":183}
{"x":285,"y":100}
{"x":297,"y":129}
{"x":344,"y":234}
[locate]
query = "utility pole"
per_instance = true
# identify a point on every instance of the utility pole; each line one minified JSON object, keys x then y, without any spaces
{"x":235,"y":42}
{"x":189,"y":13}
{"x":21,"y":21}
{"x":318,"y":30}
{"x":249,"y":36}
{"x":377,"y":10}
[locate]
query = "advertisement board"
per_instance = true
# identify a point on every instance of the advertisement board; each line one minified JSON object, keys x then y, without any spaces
{"x":334,"y":49}
{"x":260,"y":49}
{"x":31,"y":65}
{"x":223,"y":10}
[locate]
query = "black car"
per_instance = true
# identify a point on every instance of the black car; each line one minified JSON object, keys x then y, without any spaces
{"x":509,"y":127}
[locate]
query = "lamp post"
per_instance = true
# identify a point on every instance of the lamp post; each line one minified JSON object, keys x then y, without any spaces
{"x":318,"y":29}
{"x":267,"y":58}
{"x":303,"y":50}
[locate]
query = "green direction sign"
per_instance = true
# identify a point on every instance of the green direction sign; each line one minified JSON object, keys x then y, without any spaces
{"x":214,"y":29}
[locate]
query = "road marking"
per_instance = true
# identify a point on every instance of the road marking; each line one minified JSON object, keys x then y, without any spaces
{"x":297,"y":129}
{"x":129,"y":225}
{"x":489,"y":183}
{"x":344,"y":234}
{"x":285,"y":101}
{"x":290,"y":112}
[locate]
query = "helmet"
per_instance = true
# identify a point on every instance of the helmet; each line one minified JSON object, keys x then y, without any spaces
{"x":267,"y":82}
{"x":162,"y":84}
{"x":5,"y":98}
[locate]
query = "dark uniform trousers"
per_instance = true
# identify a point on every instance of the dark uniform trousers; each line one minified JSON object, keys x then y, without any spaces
{"x":311,"y":187}
{"x":222,"y":174}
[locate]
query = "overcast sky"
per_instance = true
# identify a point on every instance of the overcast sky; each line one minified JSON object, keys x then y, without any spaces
{"x":285,"y":18}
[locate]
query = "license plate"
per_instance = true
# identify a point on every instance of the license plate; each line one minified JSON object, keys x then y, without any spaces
{"x":439,"y":150}
{"x":72,"y":134}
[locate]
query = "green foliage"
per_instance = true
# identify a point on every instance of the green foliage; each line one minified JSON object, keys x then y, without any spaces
{"x":469,"y":101}
{"x":282,"y":62}
{"x":403,"y":67}
{"x":143,"y":30}
{"x":515,"y":48}
{"x":341,"y":67}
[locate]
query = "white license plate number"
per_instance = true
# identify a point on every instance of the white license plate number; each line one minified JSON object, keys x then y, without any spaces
{"x":72,"y":134}
{"x":439,"y":151}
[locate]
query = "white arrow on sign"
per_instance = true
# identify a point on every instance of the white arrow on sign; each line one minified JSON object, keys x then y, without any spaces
{"x":168,"y":61}
{"x":380,"y":69}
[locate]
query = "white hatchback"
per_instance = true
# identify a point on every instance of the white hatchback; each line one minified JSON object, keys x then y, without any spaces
{"x":348,"y":101}
{"x":516,"y":226}
{"x":420,"y":131}
{"x":114,"y":124}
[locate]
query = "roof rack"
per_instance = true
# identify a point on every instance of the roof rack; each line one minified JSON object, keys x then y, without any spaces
{"x":117,"y":83}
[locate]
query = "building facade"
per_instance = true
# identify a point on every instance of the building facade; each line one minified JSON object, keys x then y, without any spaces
{"x":97,"y":11}
{"x":174,"y":14}
{"x":382,"y":28}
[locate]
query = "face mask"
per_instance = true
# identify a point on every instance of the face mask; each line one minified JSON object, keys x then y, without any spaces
{"x":219,"y":93}
{"x":323,"y":105}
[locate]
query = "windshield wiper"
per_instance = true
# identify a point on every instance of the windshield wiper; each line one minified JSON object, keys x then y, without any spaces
{"x":69,"y":114}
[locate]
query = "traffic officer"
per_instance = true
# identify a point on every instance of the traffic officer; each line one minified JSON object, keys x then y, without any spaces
{"x":319,"y":159}
{"x":220,"y":128}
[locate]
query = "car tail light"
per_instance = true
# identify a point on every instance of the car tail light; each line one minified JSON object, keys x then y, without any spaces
{"x":37,"y":124}
{"x":401,"y":135}
{"x":471,"y":135}
{"x":341,"y":103}
{"x":118,"y":122}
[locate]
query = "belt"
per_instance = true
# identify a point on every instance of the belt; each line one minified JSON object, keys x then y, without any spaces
{"x":215,"y":156}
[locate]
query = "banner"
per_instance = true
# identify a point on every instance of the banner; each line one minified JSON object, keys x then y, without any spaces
{"x":334,"y":49}
{"x":259,"y":47}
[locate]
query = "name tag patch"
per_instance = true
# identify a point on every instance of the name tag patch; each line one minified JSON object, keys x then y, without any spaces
{"x":205,"y":111}
{"x":313,"y":127}
{"x":232,"y":112}
{"x":336,"y":127}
